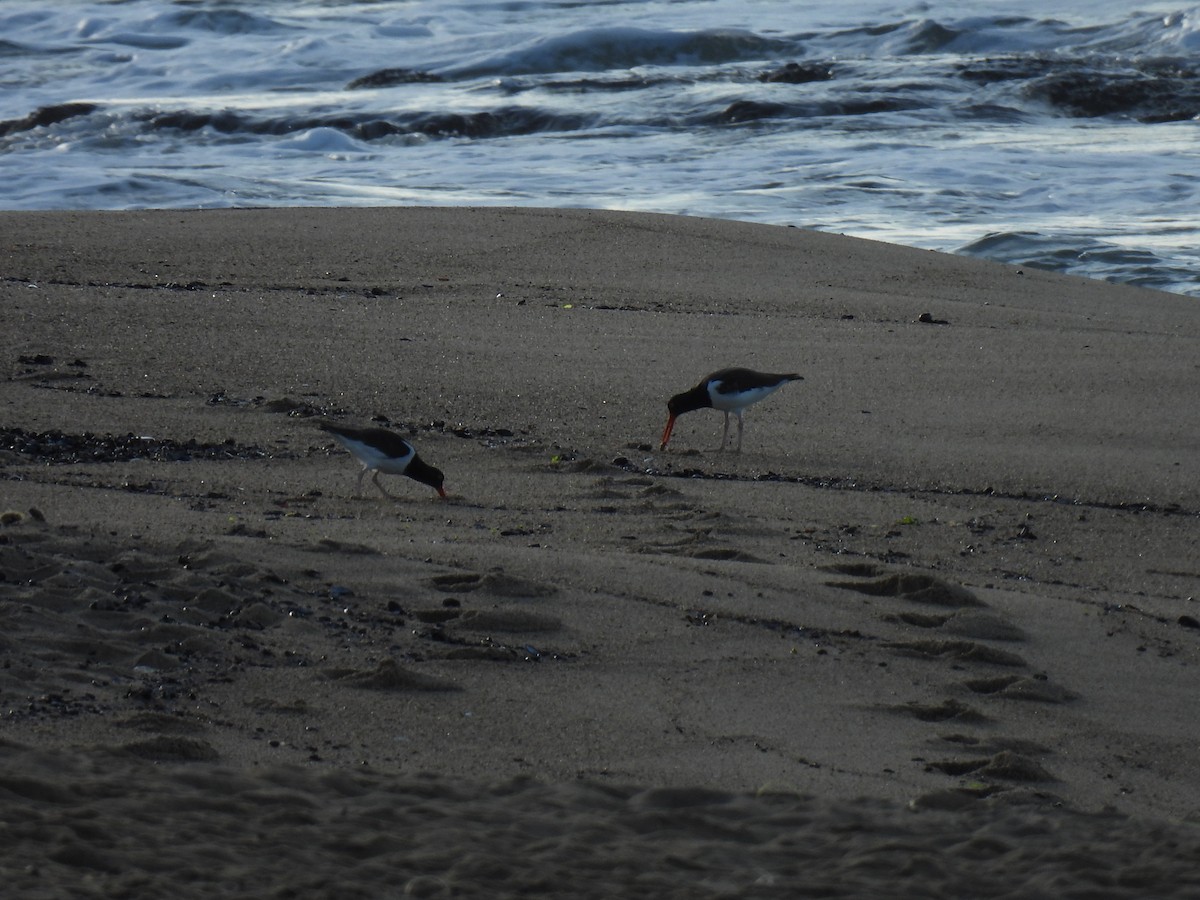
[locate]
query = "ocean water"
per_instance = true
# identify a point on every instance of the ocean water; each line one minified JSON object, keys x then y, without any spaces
{"x":1068,"y":140}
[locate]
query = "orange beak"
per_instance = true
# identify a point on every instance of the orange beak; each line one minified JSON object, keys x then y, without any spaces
{"x":667,"y":433}
{"x":441,"y":492}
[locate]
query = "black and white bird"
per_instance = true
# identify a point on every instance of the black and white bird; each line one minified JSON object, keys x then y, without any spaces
{"x":380,"y":450}
{"x":729,"y":390}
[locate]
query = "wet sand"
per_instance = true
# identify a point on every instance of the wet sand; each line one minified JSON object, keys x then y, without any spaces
{"x":936,"y":623}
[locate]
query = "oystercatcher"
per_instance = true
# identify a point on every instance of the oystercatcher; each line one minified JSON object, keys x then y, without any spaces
{"x":380,"y":450}
{"x":729,"y":390}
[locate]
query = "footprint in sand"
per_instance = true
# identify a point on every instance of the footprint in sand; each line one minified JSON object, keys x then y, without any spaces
{"x":990,"y":745}
{"x":1005,"y":765}
{"x":962,"y":625}
{"x":917,"y":587}
{"x":606,"y":489}
{"x":509,"y":621}
{"x":958,"y":651}
{"x":498,"y":584}
{"x":1014,"y":687}
{"x":475,"y":634}
{"x":390,"y":676}
{"x":970,"y":623}
{"x":456,"y":581}
{"x":727,"y":554}
{"x":586,"y":464}
{"x":659,"y":490}
{"x":498,"y":634}
{"x":968,"y":620}
{"x":635,"y":489}
{"x":999,"y":757}
{"x":946,"y":711}
{"x":170,"y":748}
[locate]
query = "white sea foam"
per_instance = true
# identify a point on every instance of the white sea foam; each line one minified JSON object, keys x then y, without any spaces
{"x":1068,"y":141}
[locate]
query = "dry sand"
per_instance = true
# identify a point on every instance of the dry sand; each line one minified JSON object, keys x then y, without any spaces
{"x":932,"y":633}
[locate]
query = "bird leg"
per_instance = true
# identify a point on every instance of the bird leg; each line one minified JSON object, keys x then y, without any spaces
{"x":382,"y":489}
{"x":358,"y":484}
{"x":724,"y":435}
{"x":741,"y":425}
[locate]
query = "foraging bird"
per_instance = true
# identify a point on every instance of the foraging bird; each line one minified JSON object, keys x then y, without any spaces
{"x":380,"y":450}
{"x":729,"y":390}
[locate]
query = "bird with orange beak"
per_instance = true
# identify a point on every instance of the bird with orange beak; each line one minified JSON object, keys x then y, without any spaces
{"x":729,"y":390}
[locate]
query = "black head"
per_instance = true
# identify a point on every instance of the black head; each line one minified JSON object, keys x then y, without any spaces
{"x":689,"y":401}
{"x":421,"y":471}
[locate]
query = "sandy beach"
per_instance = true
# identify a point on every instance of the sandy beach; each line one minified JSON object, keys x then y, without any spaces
{"x":935,"y":627}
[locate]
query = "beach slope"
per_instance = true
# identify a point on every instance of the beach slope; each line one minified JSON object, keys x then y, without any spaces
{"x":936,"y":621}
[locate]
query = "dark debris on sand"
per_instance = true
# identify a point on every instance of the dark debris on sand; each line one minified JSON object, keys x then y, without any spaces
{"x":60,"y":447}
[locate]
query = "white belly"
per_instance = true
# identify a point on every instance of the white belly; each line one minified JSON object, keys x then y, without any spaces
{"x":740,"y":400}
